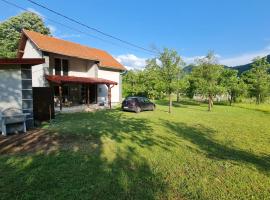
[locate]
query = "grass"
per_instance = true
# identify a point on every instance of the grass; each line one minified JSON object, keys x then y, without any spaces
{"x":189,"y":154}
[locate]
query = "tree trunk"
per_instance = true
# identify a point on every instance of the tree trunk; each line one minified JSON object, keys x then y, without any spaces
{"x":258,"y":99}
{"x":210,"y":102}
{"x":231,"y":99}
{"x":178,"y":97}
{"x":170,"y":102}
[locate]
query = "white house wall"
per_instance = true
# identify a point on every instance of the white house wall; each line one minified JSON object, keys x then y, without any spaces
{"x":10,"y":88}
{"x":92,"y":69}
{"x":102,"y":89}
{"x":38,"y":71}
{"x":77,"y":67}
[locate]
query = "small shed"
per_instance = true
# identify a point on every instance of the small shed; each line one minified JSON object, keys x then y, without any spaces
{"x":16,"y":85}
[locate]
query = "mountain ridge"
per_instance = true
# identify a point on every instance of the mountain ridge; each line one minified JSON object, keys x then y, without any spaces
{"x":240,"y":68}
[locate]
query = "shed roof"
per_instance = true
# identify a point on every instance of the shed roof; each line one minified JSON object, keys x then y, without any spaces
{"x":79,"y":80}
{"x":21,"y":61}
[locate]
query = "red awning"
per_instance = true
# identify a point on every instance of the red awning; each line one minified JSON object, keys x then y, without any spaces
{"x":21,"y":61}
{"x":79,"y":80}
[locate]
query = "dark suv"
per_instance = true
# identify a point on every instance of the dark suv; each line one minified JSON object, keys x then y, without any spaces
{"x":137,"y":104}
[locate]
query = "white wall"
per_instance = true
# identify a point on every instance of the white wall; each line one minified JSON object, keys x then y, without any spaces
{"x":102,"y":89}
{"x":77,"y":67}
{"x":10,"y":88}
{"x":38,"y":71}
{"x":92,"y":69}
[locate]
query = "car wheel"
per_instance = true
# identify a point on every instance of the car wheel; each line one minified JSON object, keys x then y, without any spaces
{"x":138,"y":109}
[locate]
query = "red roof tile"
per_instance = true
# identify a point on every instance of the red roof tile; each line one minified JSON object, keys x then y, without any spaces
{"x":63,"y":47}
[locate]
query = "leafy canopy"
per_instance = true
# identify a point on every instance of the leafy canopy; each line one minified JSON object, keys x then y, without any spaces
{"x":258,"y":79}
{"x":10,"y":31}
{"x":233,"y":84}
{"x":170,"y":70}
{"x":206,"y":76}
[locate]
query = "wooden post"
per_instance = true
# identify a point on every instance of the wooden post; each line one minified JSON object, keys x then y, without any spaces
{"x":88,"y":96}
{"x":50,"y":113}
{"x":109,"y":96}
{"x":60,"y":97}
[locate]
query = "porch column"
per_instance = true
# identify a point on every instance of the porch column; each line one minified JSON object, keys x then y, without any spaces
{"x":88,"y":95}
{"x":109,"y":95}
{"x":60,"y":97}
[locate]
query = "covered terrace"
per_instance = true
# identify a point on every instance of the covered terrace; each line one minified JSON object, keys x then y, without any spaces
{"x":84,"y":82}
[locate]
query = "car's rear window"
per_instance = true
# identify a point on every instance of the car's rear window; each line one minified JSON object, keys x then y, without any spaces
{"x":131,"y":99}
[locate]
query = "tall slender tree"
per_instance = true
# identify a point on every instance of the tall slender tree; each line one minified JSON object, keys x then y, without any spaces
{"x":170,"y":67}
{"x":207,"y":76}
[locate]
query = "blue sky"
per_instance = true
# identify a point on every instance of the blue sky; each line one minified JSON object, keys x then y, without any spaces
{"x":237,"y":30}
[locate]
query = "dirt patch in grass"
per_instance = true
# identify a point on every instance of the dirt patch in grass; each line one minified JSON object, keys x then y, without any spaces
{"x":32,"y":141}
{"x":40,"y":140}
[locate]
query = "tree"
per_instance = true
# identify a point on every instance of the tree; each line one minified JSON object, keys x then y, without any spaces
{"x":207,"y":78}
{"x":152,"y":80}
{"x":10,"y":31}
{"x":258,"y":79}
{"x":133,"y":83}
{"x":169,"y":66}
{"x":182,"y":85}
{"x":233,"y":84}
{"x":192,"y":86}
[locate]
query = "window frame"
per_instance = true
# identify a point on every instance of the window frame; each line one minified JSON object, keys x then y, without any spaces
{"x":63,"y":65}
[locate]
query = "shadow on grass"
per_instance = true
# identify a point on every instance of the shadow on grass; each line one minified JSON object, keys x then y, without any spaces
{"x":181,"y":103}
{"x":113,"y":124}
{"x":77,"y":167}
{"x":203,"y":138}
{"x":72,"y":175}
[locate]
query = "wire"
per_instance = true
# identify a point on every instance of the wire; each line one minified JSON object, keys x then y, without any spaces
{"x":89,"y":27}
{"x":71,"y":28}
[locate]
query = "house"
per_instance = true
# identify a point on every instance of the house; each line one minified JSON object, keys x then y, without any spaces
{"x":75,"y":74}
{"x":16,"y":85}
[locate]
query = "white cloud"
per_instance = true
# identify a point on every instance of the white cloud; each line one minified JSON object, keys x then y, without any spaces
{"x":241,"y":59}
{"x":130,"y":61}
{"x":244,"y":58}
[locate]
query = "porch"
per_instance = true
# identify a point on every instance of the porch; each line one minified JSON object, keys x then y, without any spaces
{"x":76,"y":94}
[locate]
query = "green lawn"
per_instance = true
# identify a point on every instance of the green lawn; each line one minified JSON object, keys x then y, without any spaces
{"x":189,"y":154}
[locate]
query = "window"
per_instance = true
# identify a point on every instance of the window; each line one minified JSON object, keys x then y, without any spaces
{"x":61,"y":66}
{"x":57,"y":66}
{"x":65,"y":67}
{"x":141,"y":99}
